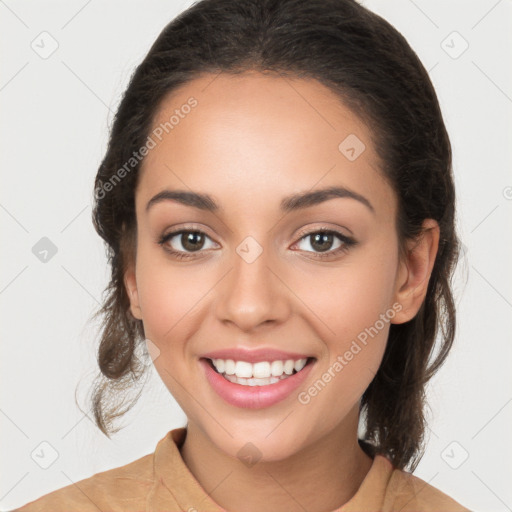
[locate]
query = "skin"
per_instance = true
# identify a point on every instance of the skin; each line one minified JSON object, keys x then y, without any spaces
{"x":252,"y":140}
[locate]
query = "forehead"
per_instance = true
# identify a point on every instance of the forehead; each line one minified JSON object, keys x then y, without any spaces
{"x":261,"y":135}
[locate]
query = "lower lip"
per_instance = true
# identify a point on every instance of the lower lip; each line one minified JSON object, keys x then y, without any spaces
{"x":254,"y":397}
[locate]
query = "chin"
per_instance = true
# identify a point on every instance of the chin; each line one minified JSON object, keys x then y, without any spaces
{"x":258,"y":446}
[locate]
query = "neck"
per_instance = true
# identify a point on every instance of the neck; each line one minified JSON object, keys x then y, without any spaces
{"x":320,"y":478}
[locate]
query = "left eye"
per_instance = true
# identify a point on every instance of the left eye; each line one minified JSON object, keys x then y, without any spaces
{"x":322,"y":241}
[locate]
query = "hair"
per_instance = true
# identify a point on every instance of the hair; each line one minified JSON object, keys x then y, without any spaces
{"x":372,"y":69}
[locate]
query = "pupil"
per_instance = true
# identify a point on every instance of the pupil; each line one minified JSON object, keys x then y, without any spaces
{"x":322,"y":237}
{"x":188,"y":240}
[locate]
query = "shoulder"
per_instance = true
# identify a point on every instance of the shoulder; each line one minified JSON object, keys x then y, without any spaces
{"x":408,"y":493}
{"x":120,"y":489}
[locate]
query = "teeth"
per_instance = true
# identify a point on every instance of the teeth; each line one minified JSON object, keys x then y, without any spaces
{"x":229,"y":366}
{"x":288,"y":366}
{"x":243,"y":369}
{"x":253,"y":381}
{"x":259,"y":371}
{"x":276,"y":368}
{"x":221,"y":365}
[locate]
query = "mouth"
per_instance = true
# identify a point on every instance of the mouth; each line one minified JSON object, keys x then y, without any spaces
{"x":263,"y":373}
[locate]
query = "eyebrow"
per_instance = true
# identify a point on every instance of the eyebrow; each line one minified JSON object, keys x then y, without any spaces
{"x":291,"y":203}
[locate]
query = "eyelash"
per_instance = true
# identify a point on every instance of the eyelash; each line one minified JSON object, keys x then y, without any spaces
{"x":347,"y":241}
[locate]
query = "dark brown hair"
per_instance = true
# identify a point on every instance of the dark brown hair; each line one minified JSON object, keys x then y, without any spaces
{"x":373,"y":70}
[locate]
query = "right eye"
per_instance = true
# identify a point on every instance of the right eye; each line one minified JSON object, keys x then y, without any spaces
{"x":186,"y":244}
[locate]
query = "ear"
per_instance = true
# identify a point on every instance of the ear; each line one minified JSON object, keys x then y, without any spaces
{"x":414,"y":271}
{"x":130,"y":284}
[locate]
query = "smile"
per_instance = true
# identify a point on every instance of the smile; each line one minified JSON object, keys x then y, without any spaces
{"x":261,"y":373}
{"x":255,"y":385}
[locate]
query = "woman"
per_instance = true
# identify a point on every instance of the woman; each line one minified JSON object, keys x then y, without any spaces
{"x":278,"y":205}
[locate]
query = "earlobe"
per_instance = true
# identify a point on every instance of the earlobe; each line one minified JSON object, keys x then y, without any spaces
{"x":414,"y":272}
{"x":130,"y":284}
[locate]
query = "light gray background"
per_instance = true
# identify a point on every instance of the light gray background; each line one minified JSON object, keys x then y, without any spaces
{"x":55,"y":113}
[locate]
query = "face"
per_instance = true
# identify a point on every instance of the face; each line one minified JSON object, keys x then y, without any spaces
{"x":242,"y":271}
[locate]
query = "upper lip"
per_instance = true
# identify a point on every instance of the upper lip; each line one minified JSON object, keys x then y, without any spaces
{"x":254,"y":355}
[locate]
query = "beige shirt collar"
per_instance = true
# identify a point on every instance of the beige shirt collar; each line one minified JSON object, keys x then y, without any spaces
{"x":174,"y":478}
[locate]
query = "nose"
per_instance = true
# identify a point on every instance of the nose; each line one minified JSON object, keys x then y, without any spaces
{"x":253,"y":293}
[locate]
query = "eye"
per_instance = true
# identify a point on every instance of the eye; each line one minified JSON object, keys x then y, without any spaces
{"x":185,"y":242}
{"x":327,"y":242}
{"x":188,"y":243}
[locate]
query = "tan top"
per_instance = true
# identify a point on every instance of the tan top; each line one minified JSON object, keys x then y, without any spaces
{"x":161,"y":482}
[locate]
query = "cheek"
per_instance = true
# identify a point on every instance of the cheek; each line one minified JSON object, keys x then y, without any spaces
{"x":359,"y":322}
{"x":170,"y":300}
{"x":169,"y":297}
{"x":356,"y":315}
{"x":352,"y":298}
